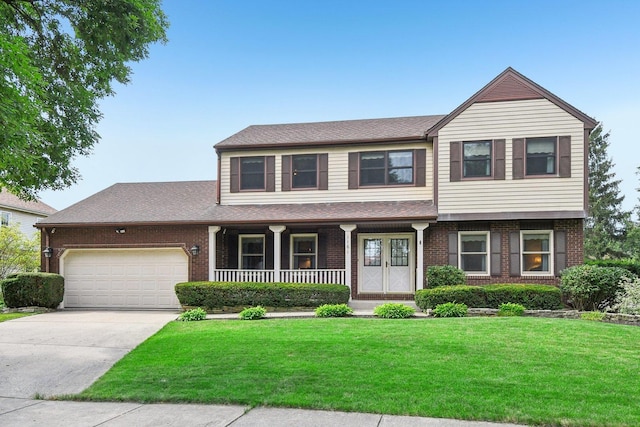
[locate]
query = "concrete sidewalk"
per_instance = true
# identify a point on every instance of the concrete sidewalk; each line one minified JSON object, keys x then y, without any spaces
{"x":26,"y":413}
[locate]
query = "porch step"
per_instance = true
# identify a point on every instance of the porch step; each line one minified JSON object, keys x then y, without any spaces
{"x":359,"y":305}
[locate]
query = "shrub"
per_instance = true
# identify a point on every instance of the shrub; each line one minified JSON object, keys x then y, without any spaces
{"x":33,"y":289}
{"x":596,"y":316}
{"x":222,"y":295}
{"x":193,"y":315}
{"x":253,"y":313}
{"x":334,"y":310}
{"x":590,"y":288}
{"x":394,"y":310}
{"x":627,"y":264}
{"x":450,"y":309}
{"x":472,"y":296}
{"x":445,"y":275}
{"x":510,"y":309}
{"x":534,"y":297}
{"x":628,"y":298}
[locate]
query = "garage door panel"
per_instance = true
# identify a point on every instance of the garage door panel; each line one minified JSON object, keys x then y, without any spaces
{"x":124,"y":278}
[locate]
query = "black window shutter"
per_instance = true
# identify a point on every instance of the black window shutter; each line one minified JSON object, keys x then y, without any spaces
{"x":322,"y":250}
{"x":499,"y":159}
{"x":518,"y":158}
{"x":455,"y":161}
{"x":514,"y":253}
{"x":270,"y":164}
{"x":234,"y":178}
{"x":564,"y":151}
{"x":421,"y":167}
{"x":453,"y":249}
{"x":353,"y":170}
{"x":323,"y":171}
{"x":496,"y":253}
{"x":286,"y":173}
{"x":560,"y":246}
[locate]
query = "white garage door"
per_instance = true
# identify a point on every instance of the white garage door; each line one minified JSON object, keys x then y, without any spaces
{"x":123,"y":278}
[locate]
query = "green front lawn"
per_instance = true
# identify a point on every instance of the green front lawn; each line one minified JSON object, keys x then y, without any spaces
{"x":523,"y":370}
{"x":10,"y":316}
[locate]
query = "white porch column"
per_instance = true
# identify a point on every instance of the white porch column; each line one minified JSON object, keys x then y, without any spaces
{"x":277,"y":244}
{"x":213,"y":230}
{"x":347,"y":228}
{"x":420,"y":227}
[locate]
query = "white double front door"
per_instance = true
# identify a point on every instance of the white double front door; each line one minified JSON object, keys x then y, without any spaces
{"x":386,"y":263}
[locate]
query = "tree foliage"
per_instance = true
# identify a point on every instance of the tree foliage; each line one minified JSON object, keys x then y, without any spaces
{"x":18,"y":252}
{"x":58,"y":59}
{"x":605,"y":227}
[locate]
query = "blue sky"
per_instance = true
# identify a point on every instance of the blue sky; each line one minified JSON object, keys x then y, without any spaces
{"x":230,"y":64}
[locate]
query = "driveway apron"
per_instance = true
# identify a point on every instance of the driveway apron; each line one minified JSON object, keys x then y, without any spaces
{"x":64,"y":352}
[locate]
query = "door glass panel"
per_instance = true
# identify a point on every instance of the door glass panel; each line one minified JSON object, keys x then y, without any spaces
{"x":400,"y":252}
{"x":372,"y":252}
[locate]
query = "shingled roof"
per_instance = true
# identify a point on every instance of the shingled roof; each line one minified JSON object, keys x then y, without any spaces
{"x":330,"y":133}
{"x":8,"y":200}
{"x":193,"y":202}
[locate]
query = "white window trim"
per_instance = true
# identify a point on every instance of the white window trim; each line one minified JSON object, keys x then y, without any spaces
{"x":551,"y":251}
{"x":243,"y":236}
{"x":292,"y":254}
{"x":487,"y":253}
{"x":8,"y":214}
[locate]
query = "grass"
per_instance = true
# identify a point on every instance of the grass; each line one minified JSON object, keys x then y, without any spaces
{"x":524,"y":370}
{"x":10,"y":316}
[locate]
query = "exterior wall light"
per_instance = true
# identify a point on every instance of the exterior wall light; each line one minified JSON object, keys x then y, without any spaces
{"x":195,"y":250}
{"x":121,"y":230}
{"x":48,"y":251}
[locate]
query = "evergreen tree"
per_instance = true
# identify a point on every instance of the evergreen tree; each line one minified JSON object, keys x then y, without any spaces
{"x":605,"y":228}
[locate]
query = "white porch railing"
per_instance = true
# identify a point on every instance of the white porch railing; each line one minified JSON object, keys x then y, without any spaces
{"x":336,"y":276}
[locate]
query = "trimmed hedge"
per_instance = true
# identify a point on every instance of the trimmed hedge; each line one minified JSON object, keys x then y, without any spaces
{"x":445,"y":275}
{"x":534,"y":297}
{"x":627,"y":264}
{"x":592,"y":288}
{"x":33,"y":289}
{"x":224,"y":295}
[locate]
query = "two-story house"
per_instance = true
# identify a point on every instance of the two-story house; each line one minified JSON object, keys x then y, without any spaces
{"x":24,"y":213}
{"x":497,"y":187}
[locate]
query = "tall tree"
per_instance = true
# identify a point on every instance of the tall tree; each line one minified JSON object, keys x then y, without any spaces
{"x":58,"y":58}
{"x":605,"y":227}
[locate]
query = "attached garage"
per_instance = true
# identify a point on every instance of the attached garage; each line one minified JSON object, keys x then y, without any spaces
{"x":123,"y":278}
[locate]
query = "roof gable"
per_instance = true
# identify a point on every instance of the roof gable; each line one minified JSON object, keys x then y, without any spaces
{"x":11,"y":201}
{"x":512,"y":86}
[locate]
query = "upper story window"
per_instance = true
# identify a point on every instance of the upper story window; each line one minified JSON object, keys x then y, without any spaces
{"x":252,"y":252}
{"x":537,"y":247}
{"x":304,"y":171}
{"x":252,"y":173}
{"x":474,"y":252}
{"x":541,"y":156}
{"x":5,"y":218}
{"x":476,"y":159}
{"x":386,"y":168}
{"x":304,"y":250}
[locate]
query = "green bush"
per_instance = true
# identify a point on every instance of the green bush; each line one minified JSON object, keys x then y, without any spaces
{"x":193,"y":315}
{"x":253,"y":313}
{"x":472,"y":296}
{"x":596,"y":316}
{"x":224,"y":295}
{"x":394,"y":310}
{"x":534,"y":297}
{"x":628,"y":298}
{"x":445,"y":275}
{"x":334,"y":310}
{"x":33,"y":289}
{"x":510,"y":309}
{"x":592,"y":288}
{"x":450,"y":309}
{"x":627,"y":264}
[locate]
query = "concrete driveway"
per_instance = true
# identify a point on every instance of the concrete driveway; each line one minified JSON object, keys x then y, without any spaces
{"x":64,"y":352}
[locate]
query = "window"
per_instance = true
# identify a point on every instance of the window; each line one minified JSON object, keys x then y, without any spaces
{"x":372,"y":252}
{"x":304,"y":171}
{"x":5,"y":217}
{"x":474,"y":254}
{"x":252,"y":252}
{"x":476,"y":159}
{"x":386,"y":168}
{"x":252,"y":173}
{"x":536,"y":252}
{"x":541,"y":156}
{"x":304,"y":251}
{"x":399,"y":252}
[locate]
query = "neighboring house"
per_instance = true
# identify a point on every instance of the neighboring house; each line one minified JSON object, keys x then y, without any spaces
{"x":496,"y":187}
{"x":13,"y":210}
